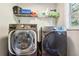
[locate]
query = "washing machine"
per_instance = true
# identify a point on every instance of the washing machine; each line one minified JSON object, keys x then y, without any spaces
{"x":22,"y":40}
{"x":54,"y":42}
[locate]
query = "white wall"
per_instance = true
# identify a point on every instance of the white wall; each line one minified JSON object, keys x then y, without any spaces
{"x":38,"y":7}
{"x":61,"y":10}
{"x":73,"y":43}
{"x":6,"y":18}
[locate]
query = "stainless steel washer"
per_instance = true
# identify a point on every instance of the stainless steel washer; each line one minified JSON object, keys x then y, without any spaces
{"x":22,"y":39}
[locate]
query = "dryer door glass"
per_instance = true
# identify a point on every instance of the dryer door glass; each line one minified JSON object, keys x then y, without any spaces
{"x":55,"y":43}
{"x":49,"y":43}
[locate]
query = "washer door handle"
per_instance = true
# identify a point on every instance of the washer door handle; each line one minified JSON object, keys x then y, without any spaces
{"x":9,"y":45}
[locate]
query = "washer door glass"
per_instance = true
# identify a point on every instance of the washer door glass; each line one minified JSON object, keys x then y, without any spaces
{"x":22,"y":41}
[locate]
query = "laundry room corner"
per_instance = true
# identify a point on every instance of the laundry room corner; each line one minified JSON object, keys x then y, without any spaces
{"x":31,"y":28}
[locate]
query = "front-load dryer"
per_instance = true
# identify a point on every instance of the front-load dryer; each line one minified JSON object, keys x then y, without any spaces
{"x":22,"y":39}
{"x":54,"y":42}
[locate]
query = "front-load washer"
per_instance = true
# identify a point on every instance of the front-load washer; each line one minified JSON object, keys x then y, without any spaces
{"x":22,"y":39}
{"x":54,"y":42}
